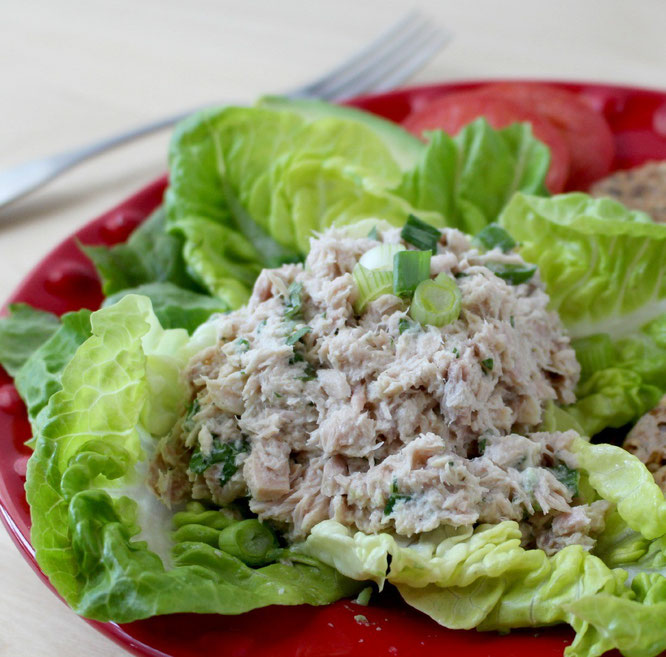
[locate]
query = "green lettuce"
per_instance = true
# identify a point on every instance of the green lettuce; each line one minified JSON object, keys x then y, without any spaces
{"x":465,"y":578}
{"x":99,"y":534}
{"x":174,"y":306}
{"x":22,"y":332}
{"x":150,"y":255}
{"x":39,"y":376}
{"x":607,"y":272}
{"x":469,"y":178}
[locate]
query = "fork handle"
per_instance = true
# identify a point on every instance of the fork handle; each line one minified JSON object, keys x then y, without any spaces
{"x":18,"y":181}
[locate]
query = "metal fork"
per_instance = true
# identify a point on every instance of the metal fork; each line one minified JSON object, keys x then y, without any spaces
{"x":386,"y":62}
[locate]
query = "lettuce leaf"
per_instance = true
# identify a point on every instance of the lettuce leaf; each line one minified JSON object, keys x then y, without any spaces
{"x":607,"y":274}
{"x":150,"y":255}
{"x":613,"y":398}
{"x":469,"y":178}
{"x":99,"y":534}
{"x":39,"y":377}
{"x":22,"y":332}
{"x":481,"y":578}
{"x":175,"y":307}
{"x":621,"y":478}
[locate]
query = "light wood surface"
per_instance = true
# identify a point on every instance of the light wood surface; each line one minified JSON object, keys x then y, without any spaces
{"x":74,"y":71}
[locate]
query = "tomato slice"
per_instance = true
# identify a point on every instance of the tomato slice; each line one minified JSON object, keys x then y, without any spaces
{"x":452,"y":112}
{"x":585,"y":131}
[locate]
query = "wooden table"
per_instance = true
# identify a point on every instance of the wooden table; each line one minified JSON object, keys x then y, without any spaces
{"x":74,"y":71}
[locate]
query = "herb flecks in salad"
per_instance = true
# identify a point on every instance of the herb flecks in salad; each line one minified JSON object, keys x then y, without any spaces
{"x":406,"y":407}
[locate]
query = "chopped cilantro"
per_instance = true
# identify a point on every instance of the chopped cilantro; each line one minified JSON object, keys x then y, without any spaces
{"x":224,"y":453}
{"x":404,"y":325}
{"x":394,"y":498}
{"x":309,"y":373}
{"x":192,"y":409}
{"x":296,"y":358}
{"x":461,"y":274}
{"x":482,"y":445}
{"x":488,"y":364}
{"x":260,"y":326}
{"x":570,"y":478}
{"x":242,"y":345}
{"x":512,"y":322}
{"x":278,"y":395}
{"x":456,"y":352}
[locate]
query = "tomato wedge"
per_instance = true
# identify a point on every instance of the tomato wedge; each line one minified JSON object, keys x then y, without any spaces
{"x":452,"y":112}
{"x":585,"y":131}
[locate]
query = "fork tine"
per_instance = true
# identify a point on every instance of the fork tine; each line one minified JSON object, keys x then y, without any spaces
{"x":374,"y":60}
{"x":398,"y":65}
{"x":312,"y":89}
{"x":416,"y":62}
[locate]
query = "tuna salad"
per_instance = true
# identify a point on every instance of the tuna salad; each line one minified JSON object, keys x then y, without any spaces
{"x":315,"y":411}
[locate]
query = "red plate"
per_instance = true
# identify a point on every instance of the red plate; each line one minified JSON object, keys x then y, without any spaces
{"x":65,"y":281}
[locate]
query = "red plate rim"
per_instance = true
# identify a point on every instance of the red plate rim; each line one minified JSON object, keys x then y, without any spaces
{"x":64,"y":280}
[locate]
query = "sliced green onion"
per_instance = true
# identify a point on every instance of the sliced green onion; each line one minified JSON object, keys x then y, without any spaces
{"x":409,"y":269}
{"x":250,"y":541}
{"x":422,"y":235}
{"x":437,"y":302}
{"x":294,"y":304}
{"x":371,"y":284}
{"x":513,"y":274}
{"x":493,"y":236}
{"x":202,"y":516}
{"x":298,"y":334}
{"x":594,"y":353}
{"x":197,"y":534}
{"x":381,"y":257}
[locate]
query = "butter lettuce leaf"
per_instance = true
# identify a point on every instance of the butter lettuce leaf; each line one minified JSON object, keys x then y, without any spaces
{"x":22,"y":332}
{"x":612,"y":397}
{"x":39,"y":377}
{"x":99,"y":534}
{"x":174,"y":306}
{"x":469,"y":178}
{"x":621,"y":478}
{"x":150,"y":255}
{"x":607,"y":273}
{"x":479,"y":578}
